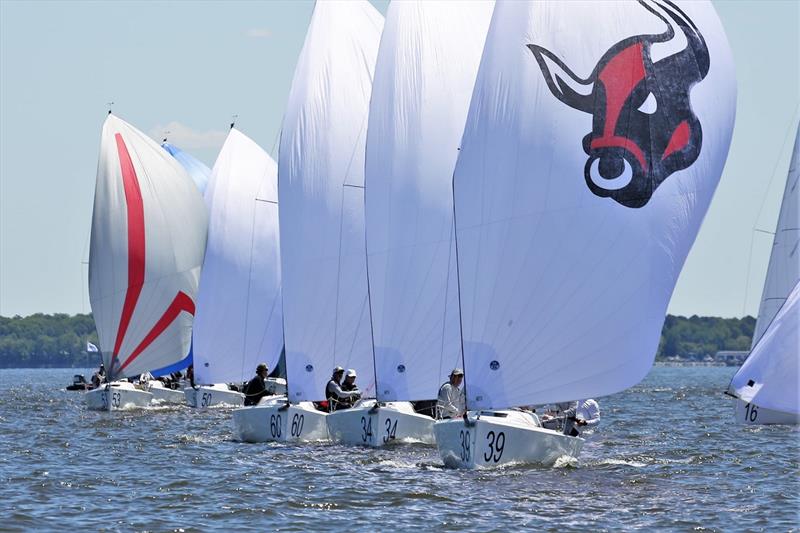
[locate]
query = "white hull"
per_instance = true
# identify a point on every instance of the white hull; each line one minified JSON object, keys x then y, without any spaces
{"x":501,"y":437}
{"x":365,"y":425}
{"x":117,"y":396}
{"x":163,"y":395}
{"x":751,"y":414}
{"x":273,"y":420}
{"x":213,"y":396}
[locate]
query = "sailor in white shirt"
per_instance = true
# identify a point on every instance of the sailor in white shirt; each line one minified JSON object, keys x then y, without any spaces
{"x":588,"y":412}
{"x":451,"y":402}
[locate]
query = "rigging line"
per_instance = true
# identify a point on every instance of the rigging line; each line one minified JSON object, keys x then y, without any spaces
{"x":458,"y":287}
{"x":446,"y":294}
{"x":761,"y":208}
{"x":338,"y":281}
{"x":369,"y":295}
{"x":249,"y":284}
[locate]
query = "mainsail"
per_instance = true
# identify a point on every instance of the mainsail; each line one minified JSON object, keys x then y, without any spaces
{"x":427,"y":63}
{"x":596,"y":136}
{"x":239,"y":313}
{"x":770,"y":376}
{"x":783,"y":271}
{"x":148,"y":235}
{"x":199,"y":172}
{"x":321,"y":178}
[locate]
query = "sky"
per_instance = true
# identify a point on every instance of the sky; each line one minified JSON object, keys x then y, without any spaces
{"x":188,"y":67}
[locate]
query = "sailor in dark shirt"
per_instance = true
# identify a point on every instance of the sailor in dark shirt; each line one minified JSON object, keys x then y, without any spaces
{"x":256,"y":388}
{"x":337,"y":397}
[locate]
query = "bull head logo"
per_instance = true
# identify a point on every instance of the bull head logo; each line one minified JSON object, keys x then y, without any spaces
{"x":643,"y":127}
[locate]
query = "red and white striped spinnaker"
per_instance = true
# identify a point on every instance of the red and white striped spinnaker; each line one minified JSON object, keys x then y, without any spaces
{"x":148,"y":238}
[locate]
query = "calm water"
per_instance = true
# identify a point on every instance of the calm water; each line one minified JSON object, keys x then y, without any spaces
{"x":666,"y":455}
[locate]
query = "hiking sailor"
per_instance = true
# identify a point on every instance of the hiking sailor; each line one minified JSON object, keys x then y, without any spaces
{"x":256,"y":388}
{"x":337,"y":397}
{"x":451,"y":402}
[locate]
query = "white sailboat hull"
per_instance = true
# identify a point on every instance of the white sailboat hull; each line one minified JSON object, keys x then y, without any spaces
{"x":366,"y":425}
{"x":273,"y":420}
{"x":751,"y":414}
{"x":117,"y":396}
{"x":164,"y":395}
{"x":217,"y":395}
{"x":501,"y":437}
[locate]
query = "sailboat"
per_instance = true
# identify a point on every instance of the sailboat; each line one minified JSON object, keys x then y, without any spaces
{"x":320,"y":177}
{"x":162,"y":394}
{"x":239,"y":317}
{"x":767,"y":383}
{"x":148,"y":235}
{"x":426,"y":68}
{"x":596,"y":136}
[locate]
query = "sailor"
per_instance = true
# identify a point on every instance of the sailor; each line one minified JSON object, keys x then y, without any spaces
{"x":99,"y":377}
{"x":349,"y":385}
{"x":190,"y":376}
{"x":588,"y":412}
{"x":256,"y":388}
{"x":451,"y":402}
{"x":337,"y":397}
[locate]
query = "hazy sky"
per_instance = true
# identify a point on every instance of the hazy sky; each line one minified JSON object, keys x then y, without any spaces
{"x":187,"y":67}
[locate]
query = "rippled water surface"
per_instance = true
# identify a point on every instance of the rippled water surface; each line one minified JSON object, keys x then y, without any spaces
{"x":666,"y":455}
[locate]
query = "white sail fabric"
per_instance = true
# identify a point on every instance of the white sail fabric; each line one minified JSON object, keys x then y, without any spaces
{"x":148,"y":235}
{"x":783,"y":271}
{"x":239,"y":313}
{"x":426,"y":69}
{"x":596,"y":136}
{"x":321,"y":177}
{"x":199,"y":172}
{"x":771,"y":375}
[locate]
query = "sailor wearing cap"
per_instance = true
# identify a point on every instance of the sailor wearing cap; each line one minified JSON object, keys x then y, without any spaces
{"x":338,"y":397}
{"x":256,"y":388}
{"x":451,"y":402}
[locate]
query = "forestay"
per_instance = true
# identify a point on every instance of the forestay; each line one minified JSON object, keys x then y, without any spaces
{"x":148,"y":235}
{"x":595,"y":139}
{"x":426,"y":69}
{"x":783,"y":271}
{"x":239,"y":313}
{"x":199,"y":172}
{"x":770,"y":376}
{"x":321,"y":177}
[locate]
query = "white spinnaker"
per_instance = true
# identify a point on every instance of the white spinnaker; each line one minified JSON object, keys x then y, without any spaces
{"x":148,"y":236}
{"x":321,"y":177}
{"x":783,"y":271}
{"x":239,"y":312}
{"x":426,"y":69}
{"x":563,"y":291}
{"x":770,"y":376}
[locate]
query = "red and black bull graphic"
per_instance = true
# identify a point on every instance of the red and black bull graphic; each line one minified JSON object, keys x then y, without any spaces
{"x":643,"y":127}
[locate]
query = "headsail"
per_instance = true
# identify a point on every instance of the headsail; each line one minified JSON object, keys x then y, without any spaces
{"x":148,"y":236}
{"x":595,"y":139}
{"x":321,"y":176}
{"x":199,"y":172}
{"x":770,"y":376}
{"x":783,"y":271}
{"x":239,"y":313}
{"x":426,"y":69}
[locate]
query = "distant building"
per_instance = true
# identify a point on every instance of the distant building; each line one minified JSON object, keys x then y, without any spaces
{"x":731,"y":357}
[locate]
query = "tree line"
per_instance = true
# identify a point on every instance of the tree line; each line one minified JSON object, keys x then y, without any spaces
{"x":59,"y":340}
